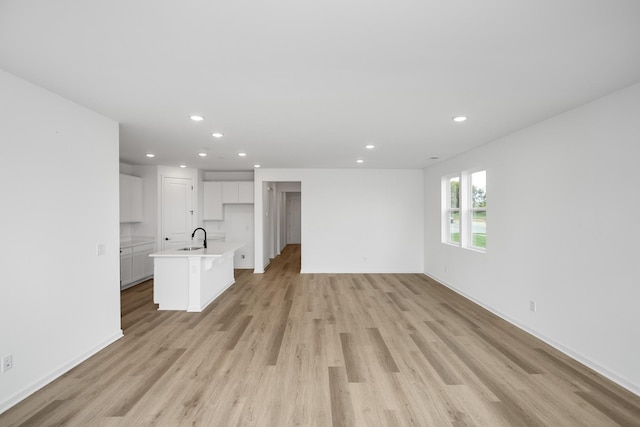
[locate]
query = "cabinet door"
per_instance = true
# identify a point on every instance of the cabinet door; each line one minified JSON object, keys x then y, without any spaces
{"x":125,"y":199}
{"x":245,"y":192}
{"x":229,"y":192}
{"x":213,"y":201}
{"x":126,"y":268}
{"x":130,"y":198}
{"x":148,"y":265}
{"x":136,"y":199}
{"x":138,"y":266}
{"x":142,"y":262}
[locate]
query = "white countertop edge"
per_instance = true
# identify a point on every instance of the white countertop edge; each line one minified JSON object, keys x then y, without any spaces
{"x":214,"y":249}
{"x":137,"y":241}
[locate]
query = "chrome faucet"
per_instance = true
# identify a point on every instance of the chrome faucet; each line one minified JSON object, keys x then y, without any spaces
{"x":205,"y":235}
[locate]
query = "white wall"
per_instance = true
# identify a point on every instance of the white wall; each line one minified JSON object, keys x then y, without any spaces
{"x":60,"y":302}
{"x":562,"y":209}
{"x":353,"y":220}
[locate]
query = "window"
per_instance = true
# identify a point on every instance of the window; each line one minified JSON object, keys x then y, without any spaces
{"x":479,"y":210}
{"x":452,"y":227}
{"x":465,"y":210}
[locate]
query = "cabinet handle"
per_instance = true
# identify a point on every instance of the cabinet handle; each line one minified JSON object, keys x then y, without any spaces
{"x":166,"y":238}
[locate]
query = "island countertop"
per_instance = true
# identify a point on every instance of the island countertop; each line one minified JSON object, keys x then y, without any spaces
{"x":213,"y":250}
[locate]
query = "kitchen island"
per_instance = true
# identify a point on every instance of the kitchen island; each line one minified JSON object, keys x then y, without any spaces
{"x":191,"y":279}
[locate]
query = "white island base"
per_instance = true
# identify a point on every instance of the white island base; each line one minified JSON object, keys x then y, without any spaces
{"x":191,"y":280}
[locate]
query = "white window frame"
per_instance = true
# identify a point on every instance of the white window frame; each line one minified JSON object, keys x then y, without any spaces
{"x":466,"y":210}
{"x":470,"y":210}
{"x":447,"y":211}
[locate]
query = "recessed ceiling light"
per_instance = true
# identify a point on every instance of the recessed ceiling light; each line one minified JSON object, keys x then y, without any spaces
{"x":196,"y":118}
{"x":256,"y":166}
{"x":242,"y":154}
{"x":459,"y":119}
{"x":217,"y":135}
{"x":202,"y":154}
{"x":150,"y":155}
{"x":359,"y":161}
{"x":369,"y":146}
{"x":183,"y":166}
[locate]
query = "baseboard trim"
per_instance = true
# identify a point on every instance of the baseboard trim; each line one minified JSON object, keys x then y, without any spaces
{"x":566,"y":350}
{"x":261,"y":270}
{"x":29,"y":390}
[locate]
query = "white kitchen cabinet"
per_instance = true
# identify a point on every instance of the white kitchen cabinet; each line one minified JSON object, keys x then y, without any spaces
{"x":237,"y":192}
{"x":213,"y":209}
{"x":219,"y":193}
{"x":229,"y":192}
{"x":142,"y":262}
{"x":130,"y":198}
{"x":245,"y":192}
{"x":135,"y":264}
{"x":126,"y":266}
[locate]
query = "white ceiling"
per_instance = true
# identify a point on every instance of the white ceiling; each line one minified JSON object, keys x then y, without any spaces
{"x":300,"y":83}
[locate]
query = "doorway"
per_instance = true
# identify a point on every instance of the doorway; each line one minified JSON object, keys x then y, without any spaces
{"x":275,"y":218}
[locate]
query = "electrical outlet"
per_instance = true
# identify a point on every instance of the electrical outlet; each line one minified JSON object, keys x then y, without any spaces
{"x":7,"y":362}
{"x":532,"y":306}
{"x":100,"y":249}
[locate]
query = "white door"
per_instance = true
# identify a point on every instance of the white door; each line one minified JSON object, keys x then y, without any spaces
{"x":177,"y":212}
{"x":293,"y":218}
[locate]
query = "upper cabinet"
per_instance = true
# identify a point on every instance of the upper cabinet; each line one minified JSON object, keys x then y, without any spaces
{"x":218,"y":193}
{"x":237,"y":192}
{"x":229,"y":192}
{"x":130,"y":198}
{"x":245,"y":192}
{"x":213,"y":201}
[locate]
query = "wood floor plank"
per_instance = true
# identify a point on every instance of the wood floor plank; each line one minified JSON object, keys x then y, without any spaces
{"x":382,"y":351}
{"x":512,"y":410}
{"x":284,"y":348}
{"x":341,"y":406}
{"x":398,"y":301}
{"x":143,"y":386}
{"x":436,"y":361}
{"x":502,"y":348}
{"x":351,"y":360}
{"x":278,"y":334}
{"x":240,"y":329}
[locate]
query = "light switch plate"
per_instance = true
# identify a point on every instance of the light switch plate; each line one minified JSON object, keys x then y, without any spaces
{"x":7,"y":363}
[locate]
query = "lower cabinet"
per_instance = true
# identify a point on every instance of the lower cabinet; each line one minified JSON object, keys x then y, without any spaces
{"x":126,"y":266}
{"x":135,"y":264}
{"x":142,"y":262}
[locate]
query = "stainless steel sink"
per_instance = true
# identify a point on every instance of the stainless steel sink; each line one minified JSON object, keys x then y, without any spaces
{"x":190,"y":248}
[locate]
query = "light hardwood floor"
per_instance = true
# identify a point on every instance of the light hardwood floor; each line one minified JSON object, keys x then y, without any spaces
{"x":285,"y":349}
